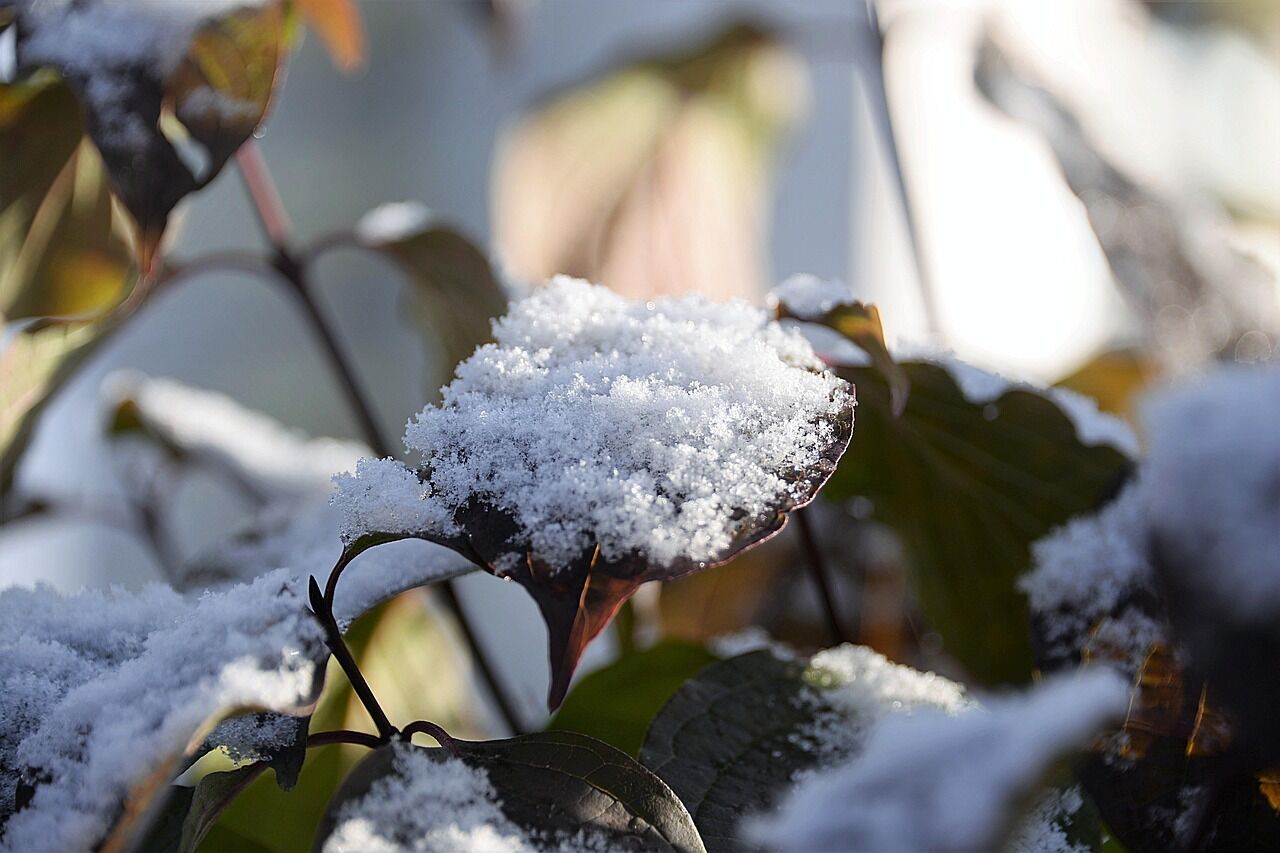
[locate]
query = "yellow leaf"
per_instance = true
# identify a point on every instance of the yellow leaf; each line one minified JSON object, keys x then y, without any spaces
{"x":338,"y":24}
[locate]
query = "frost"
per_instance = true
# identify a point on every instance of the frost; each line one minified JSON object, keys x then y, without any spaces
{"x":431,"y":806}
{"x":944,"y":782}
{"x":1214,"y":467}
{"x":809,"y":297}
{"x":101,"y":690}
{"x":647,"y":428}
{"x":392,"y":222}
{"x":279,"y":461}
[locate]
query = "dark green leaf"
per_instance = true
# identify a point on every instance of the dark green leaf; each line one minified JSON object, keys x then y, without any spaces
{"x":969,"y":486}
{"x":727,"y":741}
{"x":617,"y":702}
{"x":554,"y":783}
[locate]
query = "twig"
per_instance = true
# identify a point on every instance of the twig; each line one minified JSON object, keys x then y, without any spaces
{"x":292,"y":269}
{"x":322,"y":606}
{"x":817,"y":570}
{"x":425,"y":727}
{"x":343,"y":736}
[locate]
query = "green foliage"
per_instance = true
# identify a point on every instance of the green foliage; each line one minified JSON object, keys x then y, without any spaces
{"x":969,"y":486}
{"x":727,"y":742}
{"x":556,"y":782}
{"x":616,"y":703}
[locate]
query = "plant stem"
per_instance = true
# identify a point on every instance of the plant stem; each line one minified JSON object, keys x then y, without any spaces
{"x":275,"y":223}
{"x":817,"y":570}
{"x":343,"y":736}
{"x":322,"y":606}
{"x":425,"y":727}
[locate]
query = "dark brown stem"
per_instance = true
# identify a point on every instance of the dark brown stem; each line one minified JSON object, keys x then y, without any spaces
{"x":322,"y":606}
{"x":817,"y":570}
{"x":343,"y":736}
{"x":428,"y":728}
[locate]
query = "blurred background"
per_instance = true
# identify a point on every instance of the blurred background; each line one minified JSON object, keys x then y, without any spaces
{"x":1078,"y":191}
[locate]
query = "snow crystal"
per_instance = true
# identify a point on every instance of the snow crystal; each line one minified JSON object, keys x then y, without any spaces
{"x":935,"y":781}
{"x":643,"y":427}
{"x":384,"y":496}
{"x":280,"y":461}
{"x":433,"y":806}
{"x":99,"y":690}
{"x":1214,"y":467}
{"x":809,"y":297}
{"x":392,"y":222}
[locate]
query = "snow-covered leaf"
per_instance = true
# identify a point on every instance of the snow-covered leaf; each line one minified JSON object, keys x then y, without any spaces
{"x":153,"y":77}
{"x":972,"y":473}
{"x":602,"y":443}
{"x":550,"y":791}
{"x":105,"y":694}
{"x":949,"y":782}
{"x":731,"y":739}
{"x":654,"y":177}
{"x":454,"y":294}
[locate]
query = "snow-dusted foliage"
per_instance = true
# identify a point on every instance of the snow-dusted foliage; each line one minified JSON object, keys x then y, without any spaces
{"x":100,"y":692}
{"x":278,"y":461}
{"x":430,"y":806}
{"x":646,"y":428}
{"x":808,"y":297}
{"x":944,"y":782}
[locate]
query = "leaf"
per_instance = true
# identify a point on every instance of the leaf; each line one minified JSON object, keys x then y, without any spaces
{"x":338,"y":24}
{"x":577,"y":601}
{"x":860,"y":323}
{"x":969,"y":486}
{"x":138,"y":112}
{"x":191,"y":812}
{"x":62,"y":254}
{"x":728,"y":741}
{"x":553,"y":783}
{"x":654,"y":178}
{"x":454,"y":293}
{"x":616,"y":703}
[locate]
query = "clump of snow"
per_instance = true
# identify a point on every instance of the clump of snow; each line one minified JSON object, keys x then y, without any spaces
{"x":392,"y":222}
{"x":856,"y":686}
{"x":1214,"y":471}
{"x":430,"y":806}
{"x":944,"y":782}
{"x":279,"y":461}
{"x":383,"y":496}
{"x":648,"y":428}
{"x":98,"y":691}
{"x":254,"y":737}
{"x":808,"y":297}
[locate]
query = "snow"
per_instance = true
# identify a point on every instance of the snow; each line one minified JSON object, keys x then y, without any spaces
{"x":809,"y":297}
{"x":1043,"y":830}
{"x":392,"y":222}
{"x":281,"y":462}
{"x":647,"y":428}
{"x":385,"y":496}
{"x":102,"y":689}
{"x":1214,"y":468}
{"x":944,"y":782}
{"x":431,"y":806}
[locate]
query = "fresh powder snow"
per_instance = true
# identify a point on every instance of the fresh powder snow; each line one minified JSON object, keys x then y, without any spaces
{"x":945,"y":782}
{"x":644,"y":427}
